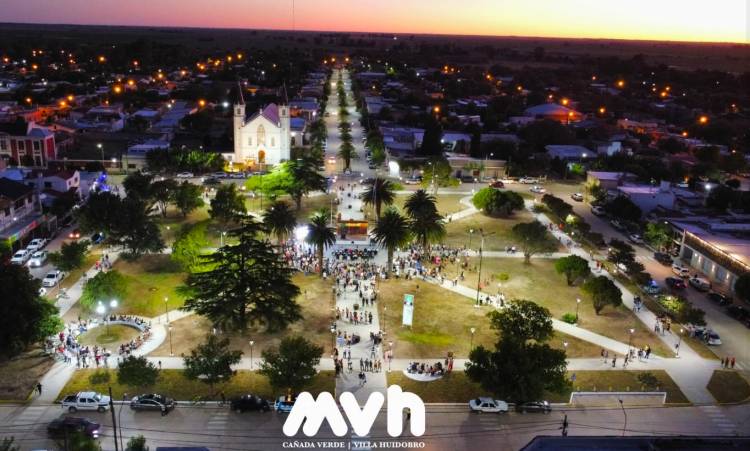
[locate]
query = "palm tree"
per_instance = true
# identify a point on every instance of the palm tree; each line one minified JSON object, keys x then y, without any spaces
{"x":379,"y":192}
{"x":280,"y":220}
{"x":391,"y":232}
{"x":424,"y":219}
{"x":320,"y":234}
{"x":347,"y":153}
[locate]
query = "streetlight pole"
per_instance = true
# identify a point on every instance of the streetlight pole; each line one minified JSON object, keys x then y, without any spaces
{"x":385,"y":309}
{"x":630,"y":339}
{"x":481,"y":247}
{"x":101,"y":150}
{"x":625,"y":426}
{"x":251,"y":354}
{"x":578,"y":304}
{"x":171,"y":351}
{"x":471,"y":345}
{"x":471,"y":232}
{"x":166,"y":308}
{"x":390,"y":355}
{"x":679,"y":342}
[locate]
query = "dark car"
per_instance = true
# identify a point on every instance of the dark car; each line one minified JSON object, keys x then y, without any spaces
{"x":66,"y":222}
{"x":97,"y":238}
{"x":675,"y":283}
{"x":497,"y":184}
{"x":68,"y":425}
{"x":664,"y":259}
{"x":74,"y":234}
{"x":534,"y":406}
{"x":152,"y":401}
{"x":719,"y":298}
{"x":212,"y":181}
{"x":738,"y":312}
{"x":249,"y":403}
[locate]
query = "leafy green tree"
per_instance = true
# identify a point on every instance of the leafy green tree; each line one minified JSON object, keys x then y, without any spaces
{"x":391,"y":232}
{"x":433,"y":133}
{"x":211,"y":361}
{"x":377,"y":193}
{"x":137,"y":443}
{"x":70,"y":256}
{"x":187,"y":197}
{"x":280,"y":220}
{"x":25,"y":317}
{"x":104,"y":286}
{"x":138,"y":184}
{"x":574,"y":267}
{"x":721,"y":198}
{"x":497,"y":203}
{"x":658,"y":234}
{"x":137,"y":372}
{"x":136,"y":230}
{"x":78,"y":441}
{"x":243,"y":284}
{"x":347,"y":153}
{"x":559,"y":207}
{"x":293,"y":364}
{"x":63,"y":204}
{"x":624,"y":209}
{"x":188,"y":246}
{"x":523,"y":329}
{"x":742,"y":287}
{"x":438,"y":173}
{"x":305,"y":179}
{"x":8,"y":444}
{"x":163,"y":192}
{"x":603,"y":291}
{"x":426,"y":223}
{"x":227,"y":204}
{"x":533,"y":238}
{"x":100,"y":213}
{"x":621,"y":252}
{"x":320,"y":235}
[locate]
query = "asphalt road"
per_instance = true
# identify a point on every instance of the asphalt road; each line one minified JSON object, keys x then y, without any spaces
{"x":449,"y":427}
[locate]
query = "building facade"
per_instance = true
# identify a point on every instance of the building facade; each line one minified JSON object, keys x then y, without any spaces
{"x":264,"y":139}
{"x":25,"y":144}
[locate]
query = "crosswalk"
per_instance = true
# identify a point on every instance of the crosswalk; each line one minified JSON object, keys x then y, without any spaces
{"x":218,"y":421}
{"x":30,"y":415}
{"x":717,"y":417}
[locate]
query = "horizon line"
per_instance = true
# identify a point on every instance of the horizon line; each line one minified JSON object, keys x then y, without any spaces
{"x":400,"y":33}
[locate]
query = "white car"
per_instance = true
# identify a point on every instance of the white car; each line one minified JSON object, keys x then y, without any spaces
{"x":635,"y":238}
{"x":598,"y":210}
{"x":528,"y":180}
{"x":185,"y":175}
{"x":617,"y":224}
{"x":53,"y":278}
{"x":711,"y":338}
{"x":681,"y":271}
{"x":699,"y":283}
{"x":86,"y":400}
{"x":578,"y":197}
{"x":537,"y":189}
{"x":38,"y":258}
{"x":21,"y":257}
{"x":485,"y":404}
{"x":37,"y":243}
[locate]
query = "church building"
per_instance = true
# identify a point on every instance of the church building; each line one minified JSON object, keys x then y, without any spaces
{"x":265,"y":138}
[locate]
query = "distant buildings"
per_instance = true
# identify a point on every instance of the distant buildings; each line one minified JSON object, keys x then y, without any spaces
{"x":553,"y":111}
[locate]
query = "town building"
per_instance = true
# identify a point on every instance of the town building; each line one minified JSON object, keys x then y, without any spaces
{"x":263,"y":139}
{"x":20,"y":212}
{"x":26,"y":144}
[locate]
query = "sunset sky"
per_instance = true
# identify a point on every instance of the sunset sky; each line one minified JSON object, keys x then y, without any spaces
{"x":683,"y":20}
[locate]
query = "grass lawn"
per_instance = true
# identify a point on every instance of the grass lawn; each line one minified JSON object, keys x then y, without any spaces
{"x":453,"y":387}
{"x":150,"y":279}
{"x":446,"y":203}
{"x":309,"y":204}
{"x":117,"y":334}
{"x":315,"y":302}
{"x":576,"y":347}
{"x":19,"y":375}
{"x":457,"y":232}
{"x":618,"y":380}
{"x":175,"y":385}
{"x":74,"y":275}
{"x":540,"y":283}
{"x":728,"y":386}
{"x":442,"y":320}
{"x":171,"y":225}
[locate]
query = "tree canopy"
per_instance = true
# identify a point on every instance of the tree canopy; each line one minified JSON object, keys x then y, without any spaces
{"x":211,"y":361}
{"x":293,"y":364}
{"x":495,"y":202}
{"x":603,"y":292}
{"x":137,"y":372}
{"x":574,"y":267}
{"x":533,"y":238}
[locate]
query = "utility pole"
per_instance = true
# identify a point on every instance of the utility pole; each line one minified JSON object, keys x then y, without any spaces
{"x":564,"y":426}
{"x":481,"y":247}
{"x":114,"y":419}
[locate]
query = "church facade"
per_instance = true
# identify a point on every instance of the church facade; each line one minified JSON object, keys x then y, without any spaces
{"x":265,"y":138}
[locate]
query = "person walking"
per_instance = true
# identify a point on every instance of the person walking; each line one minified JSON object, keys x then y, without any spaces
{"x":614,"y":361}
{"x":733,"y":360}
{"x":39,"y":388}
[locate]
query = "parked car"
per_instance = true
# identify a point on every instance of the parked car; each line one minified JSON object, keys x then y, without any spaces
{"x":528,"y":180}
{"x":578,"y":197}
{"x":53,"y":278}
{"x":681,"y":271}
{"x":37,"y":244}
{"x":534,"y":406}
{"x":249,"y":403}
{"x":97,"y":238}
{"x":372,"y":165}
{"x":331,"y":160}
{"x":598,"y":210}
{"x":488,"y":405}
{"x":219,"y":175}
{"x":66,"y":425}
{"x":537,"y":189}
{"x":284,"y":404}
{"x":675,"y":283}
{"x":711,"y":338}
{"x":617,"y":225}
{"x":152,"y":401}
{"x":664,"y":259}
{"x":211,"y":181}
{"x":497,"y":184}
{"x":719,"y":298}
{"x":38,"y":258}
{"x":699,"y":283}
{"x":413,"y":180}
{"x":86,"y":400}
{"x":185,"y":175}
{"x":652,"y":288}
{"x":635,"y":238}
{"x":21,"y":257}
{"x":74,"y":234}
{"x":738,"y":312}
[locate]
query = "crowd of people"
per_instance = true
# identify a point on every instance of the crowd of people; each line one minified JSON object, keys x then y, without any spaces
{"x":435,"y":370}
{"x":366,"y":253}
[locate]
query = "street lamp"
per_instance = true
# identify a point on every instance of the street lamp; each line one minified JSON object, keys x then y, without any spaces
{"x":630,"y":338}
{"x":578,"y":304}
{"x":251,"y":354}
{"x":171,"y":351}
{"x":390,"y":355}
{"x":679,"y":342}
{"x":222,"y":238}
{"x":385,"y":309}
{"x":471,"y":345}
{"x":481,"y":247}
{"x":166,"y":308}
{"x":471,"y":232}
{"x":101,"y":149}
{"x":333,"y":337}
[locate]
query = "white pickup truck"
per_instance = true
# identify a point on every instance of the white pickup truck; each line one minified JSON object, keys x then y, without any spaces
{"x":86,"y":400}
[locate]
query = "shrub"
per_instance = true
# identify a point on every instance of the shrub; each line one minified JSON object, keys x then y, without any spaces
{"x":648,"y":380}
{"x":99,"y":377}
{"x":569,"y":318}
{"x":495,"y":202}
{"x":503,"y":277}
{"x":681,"y":310}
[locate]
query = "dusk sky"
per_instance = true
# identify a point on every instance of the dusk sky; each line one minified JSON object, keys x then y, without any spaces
{"x":683,"y":20}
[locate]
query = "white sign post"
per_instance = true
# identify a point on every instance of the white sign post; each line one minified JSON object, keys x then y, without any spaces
{"x":408,"y":314}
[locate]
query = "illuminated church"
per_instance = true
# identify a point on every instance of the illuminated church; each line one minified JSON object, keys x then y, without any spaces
{"x":265,"y":138}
